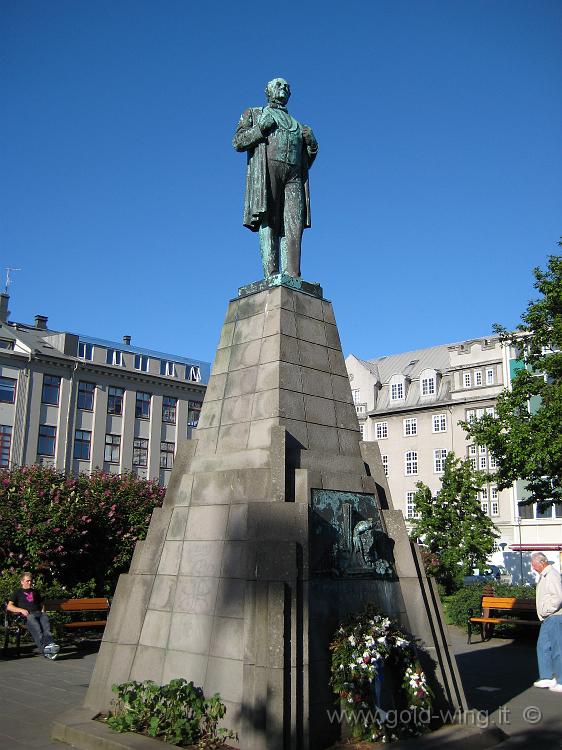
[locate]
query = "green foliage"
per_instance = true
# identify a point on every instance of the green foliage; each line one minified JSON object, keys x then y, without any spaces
{"x":177,"y":713}
{"x":456,"y":533}
{"x":467,"y":597}
{"x":527,"y":443}
{"x":77,"y":532}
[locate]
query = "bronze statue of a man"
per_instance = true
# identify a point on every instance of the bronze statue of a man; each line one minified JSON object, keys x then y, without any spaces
{"x":280,"y":153}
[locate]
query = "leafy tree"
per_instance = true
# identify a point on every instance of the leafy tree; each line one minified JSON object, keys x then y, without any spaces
{"x":73,"y":529}
{"x":525,"y":435}
{"x":451,"y":523}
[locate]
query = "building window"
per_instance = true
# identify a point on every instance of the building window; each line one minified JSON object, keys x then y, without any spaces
{"x":484,"y":504}
{"x":47,"y":440}
{"x":493,"y":462}
{"x":439,"y":423}
{"x":381,"y":430}
{"x":478,"y":377}
{"x":51,"y":388}
{"x":7,"y":390}
{"x":114,"y":357}
{"x":140,"y":452}
{"x":141,"y":362}
{"x":439,"y":457}
{"x":86,"y":395}
{"x":167,"y":455}
{"x":112,"y":450}
{"x":115,"y":400}
{"x":470,"y":414}
{"x":472,"y":450}
{"x":490,"y":376}
{"x":466,"y":380}
{"x":85,"y":351}
{"x":411,"y":463}
{"x":427,"y":386}
{"x":495,"y":506}
{"x":385,"y":465}
{"x":362,"y":429}
{"x":193,"y":414}
{"x":193,"y":372}
{"x":5,"y":444}
{"x":82,"y":442}
{"x":482,"y":463}
{"x":410,"y":426}
{"x":396,"y":391}
{"x":356,"y":395}
{"x":491,"y":411}
{"x":167,"y":368}
{"x":169,"y":406}
{"x":410,"y":507}
{"x":142,"y":406}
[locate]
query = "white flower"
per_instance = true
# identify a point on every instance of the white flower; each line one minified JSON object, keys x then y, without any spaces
{"x":351,"y":639}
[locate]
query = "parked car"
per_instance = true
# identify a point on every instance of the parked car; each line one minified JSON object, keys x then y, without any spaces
{"x":489,"y":573}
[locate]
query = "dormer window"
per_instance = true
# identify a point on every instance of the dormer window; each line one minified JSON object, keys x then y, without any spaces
{"x":397,"y":387}
{"x":428,"y":383}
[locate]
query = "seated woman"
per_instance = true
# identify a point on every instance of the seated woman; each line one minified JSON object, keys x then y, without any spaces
{"x":28,"y":602}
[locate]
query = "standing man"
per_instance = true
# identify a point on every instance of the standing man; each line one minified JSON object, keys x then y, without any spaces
{"x":277,"y":203}
{"x":28,"y":602}
{"x":549,"y":610}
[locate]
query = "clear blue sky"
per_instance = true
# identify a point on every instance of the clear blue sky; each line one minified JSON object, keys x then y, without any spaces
{"x":436,"y":190}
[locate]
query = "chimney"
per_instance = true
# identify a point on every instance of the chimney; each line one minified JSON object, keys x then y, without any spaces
{"x":4,"y":312}
{"x":41,"y":322}
{"x":127,"y":340}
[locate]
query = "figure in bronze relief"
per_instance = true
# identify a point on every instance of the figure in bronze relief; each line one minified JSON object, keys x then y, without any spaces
{"x":280,"y":153}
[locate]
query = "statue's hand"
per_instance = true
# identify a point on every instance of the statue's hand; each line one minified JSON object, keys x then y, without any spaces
{"x":308,"y":138}
{"x":266,"y":122}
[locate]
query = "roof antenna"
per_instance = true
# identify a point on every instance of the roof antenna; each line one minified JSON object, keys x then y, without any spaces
{"x":8,"y":279}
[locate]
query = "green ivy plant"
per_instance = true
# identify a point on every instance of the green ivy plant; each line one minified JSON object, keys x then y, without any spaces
{"x":177,"y":713}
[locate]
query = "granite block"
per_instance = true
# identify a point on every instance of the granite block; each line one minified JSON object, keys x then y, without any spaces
{"x":245,"y":355}
{"x":155,"y":629}
{"x":163,"y":591}
{"x":346,"y":416}
{"x":328,"y":312}
{"x":237,"y":409}
{"x":113,"y":666}
{"x":237,"y":560}
{"x":291,"y":405}
{"x":192,"y":667}
{"x":206,"y":440}
{"x":148,"y":664}
{"x":333,"y":337}
{"x":316,"y":382}
{"x":226,"y":336}
{"x":221,"y":361}
{"x":341,"y":389}
{"x":313,"y":355}
{"x":224,"y":676}
{"x":279,"y":320}
{"x":210,"y":415}
{"x":211,"y":488}
{"x":191,"y":632}
{"x":152,"y":546}
{"x":332,"y":480}
{"x":232,"y":311}
{"x":170,"y":558}
{"x":233,"y":437}
{"x":237,"y":529}
{"x":182,"y":496}
{"x":270,"y":349}
{"x":280,"y":297}
{"x":337,"y":362}
{"x":196,"y":595}
{"x":265,"y":405}
{"x":215,"y":387}
{"x":251,"y":305}
{"x":228,"y":638}
{"x":310,"y":329}
{"x":231,"y":598}
{"x":309,"y":306}
{"x":260,"y":433}
{"x":349,"y":442}
{"x":201,"y":559}
{"x":298,"y":429}
{"x":206,"y":523}
{"x":241,"y":382}
{"x":176,"y":529}
{"x":319,"y":411}
{"x":248,"y":329}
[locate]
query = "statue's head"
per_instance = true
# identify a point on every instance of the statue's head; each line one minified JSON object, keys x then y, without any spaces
{"x":278,"y":91}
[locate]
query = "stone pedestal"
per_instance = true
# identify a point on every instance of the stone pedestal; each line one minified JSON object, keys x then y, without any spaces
{"x":273,"y":523}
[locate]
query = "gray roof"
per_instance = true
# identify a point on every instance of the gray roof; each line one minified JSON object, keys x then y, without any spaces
{"x":410,"y":363}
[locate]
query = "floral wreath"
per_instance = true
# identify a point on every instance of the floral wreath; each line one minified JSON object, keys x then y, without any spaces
{"x":362,"y":647}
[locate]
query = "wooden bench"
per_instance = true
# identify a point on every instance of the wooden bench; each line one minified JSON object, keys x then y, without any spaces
{"x":83,"y":608}
{"x":497,"y":610}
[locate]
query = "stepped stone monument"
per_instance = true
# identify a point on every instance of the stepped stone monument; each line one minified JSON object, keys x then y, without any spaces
{"x":277,"y":520}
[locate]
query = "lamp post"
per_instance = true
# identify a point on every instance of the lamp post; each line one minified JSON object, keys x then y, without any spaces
{"x":520,"y":550}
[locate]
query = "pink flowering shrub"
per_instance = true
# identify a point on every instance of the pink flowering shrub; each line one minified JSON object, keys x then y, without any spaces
{"x":73,"y":530}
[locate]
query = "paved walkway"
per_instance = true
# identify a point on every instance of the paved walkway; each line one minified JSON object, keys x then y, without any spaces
{"x":497,"y":676}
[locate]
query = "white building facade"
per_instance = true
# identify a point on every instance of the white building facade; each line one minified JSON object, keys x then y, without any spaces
{"x":412,"y":403}
{"x":78,"y":403}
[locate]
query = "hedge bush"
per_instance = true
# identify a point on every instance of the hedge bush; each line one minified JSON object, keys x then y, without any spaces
{"x":458,"y":604}
{"x":78,"y":533}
